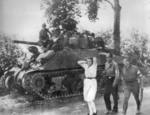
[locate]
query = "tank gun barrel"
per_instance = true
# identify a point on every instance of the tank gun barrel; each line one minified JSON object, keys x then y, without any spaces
{"x":26,"y":42}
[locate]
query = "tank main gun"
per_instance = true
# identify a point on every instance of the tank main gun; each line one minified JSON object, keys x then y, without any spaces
{"x":26,"y":42}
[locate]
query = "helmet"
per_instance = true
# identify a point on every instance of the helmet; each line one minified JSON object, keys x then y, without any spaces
{"x":33,"y":49}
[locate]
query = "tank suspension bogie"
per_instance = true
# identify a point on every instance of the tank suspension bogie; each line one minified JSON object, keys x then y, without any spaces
{"x":64,"y":83}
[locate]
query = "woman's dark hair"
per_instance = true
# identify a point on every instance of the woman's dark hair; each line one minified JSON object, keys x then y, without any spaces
{"x":91,"y":59}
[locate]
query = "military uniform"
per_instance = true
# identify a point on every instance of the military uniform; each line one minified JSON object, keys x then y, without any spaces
{"x":131,"y":85}
{"x":44,"y":40}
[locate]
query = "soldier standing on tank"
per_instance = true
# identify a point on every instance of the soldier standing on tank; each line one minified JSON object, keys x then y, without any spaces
{"x":44,"y":38}
{"x":130,"y":74}
{"x":111,"y":86}
{"x":90,"y":82}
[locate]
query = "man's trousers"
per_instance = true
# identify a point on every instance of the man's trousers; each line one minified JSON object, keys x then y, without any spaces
{"x":109,"y":89}
{"x":132,"y":87}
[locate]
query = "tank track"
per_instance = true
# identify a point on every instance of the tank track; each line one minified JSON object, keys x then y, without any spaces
{"x":58,"y":74}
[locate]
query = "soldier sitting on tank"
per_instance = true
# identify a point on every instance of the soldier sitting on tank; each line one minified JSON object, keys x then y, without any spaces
{"x":32,"y":61}
{"x":48,"y":46}
{"x":45,"y":56}
{"x":44,"y":38}
{"x":58,"y":40}
{"x":35,"y":53}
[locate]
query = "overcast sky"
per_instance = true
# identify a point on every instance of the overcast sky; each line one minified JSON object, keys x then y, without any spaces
{"x":24,"y":17}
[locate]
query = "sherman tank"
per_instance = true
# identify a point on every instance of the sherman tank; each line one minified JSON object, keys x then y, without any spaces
{"x":60,"y":76}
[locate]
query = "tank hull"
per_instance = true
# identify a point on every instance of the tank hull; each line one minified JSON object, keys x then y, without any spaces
{"x":60,"y":76}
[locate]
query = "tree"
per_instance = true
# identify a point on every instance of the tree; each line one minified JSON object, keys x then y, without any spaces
{"x":136,"y":48}
{"x":92,"y":14}
{"x":9,"y":53}
{"x":61,"y":13}
{"x":106,"y":35}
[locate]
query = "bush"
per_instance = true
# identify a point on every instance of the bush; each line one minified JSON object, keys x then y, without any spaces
{"x":9,"y":52}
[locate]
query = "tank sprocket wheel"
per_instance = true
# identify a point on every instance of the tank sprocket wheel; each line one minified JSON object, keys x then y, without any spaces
{"x":37,"y":82}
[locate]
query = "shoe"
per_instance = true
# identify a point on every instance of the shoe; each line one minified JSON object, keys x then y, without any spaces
{"x":95,"y":113}
{"x":138,"y":112}
{"x":123,"y":113}
{"x":114,"y":111}
{"x":108,"y":112}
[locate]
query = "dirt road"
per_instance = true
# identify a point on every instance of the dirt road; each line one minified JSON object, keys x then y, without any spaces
{"x":10,"y":105}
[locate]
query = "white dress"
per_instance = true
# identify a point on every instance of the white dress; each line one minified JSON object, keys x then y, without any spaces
{"x":90,"y":85}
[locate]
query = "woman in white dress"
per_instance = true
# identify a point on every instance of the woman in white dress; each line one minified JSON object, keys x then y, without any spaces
{"x":90,"y":82}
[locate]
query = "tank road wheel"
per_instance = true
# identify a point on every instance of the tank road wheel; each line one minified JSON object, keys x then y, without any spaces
{"x":3,"y":81}
{"x":26,"y":82}
{"x":37,"y":82}
{"x":9,"y":82}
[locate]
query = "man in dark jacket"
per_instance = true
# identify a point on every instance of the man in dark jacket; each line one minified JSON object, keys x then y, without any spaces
{"x":111,"y":86}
